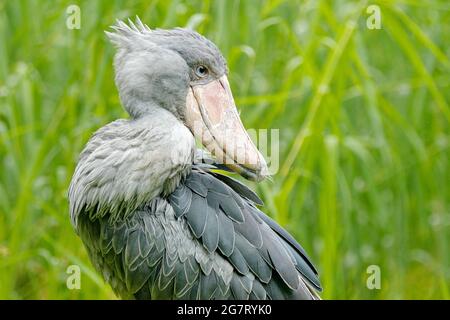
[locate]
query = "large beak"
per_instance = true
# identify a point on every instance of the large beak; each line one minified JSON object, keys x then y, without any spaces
{"x":213,"y":118}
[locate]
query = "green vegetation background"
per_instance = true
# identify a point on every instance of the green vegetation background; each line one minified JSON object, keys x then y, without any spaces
{"x":363,"y":118}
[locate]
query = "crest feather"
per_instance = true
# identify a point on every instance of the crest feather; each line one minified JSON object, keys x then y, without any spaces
{"x":125,"y":35}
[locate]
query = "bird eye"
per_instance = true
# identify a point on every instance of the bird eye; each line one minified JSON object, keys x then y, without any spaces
{"x":201,"y":71}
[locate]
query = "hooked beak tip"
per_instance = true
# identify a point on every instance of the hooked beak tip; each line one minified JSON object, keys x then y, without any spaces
{"x":252,"y":172}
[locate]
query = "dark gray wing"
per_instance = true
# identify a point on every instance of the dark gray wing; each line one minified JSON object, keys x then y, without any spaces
{"x":153,"y":255}
{"x":207,"y":240}
{"x":292,"y":244}
{"x":221,"y":214}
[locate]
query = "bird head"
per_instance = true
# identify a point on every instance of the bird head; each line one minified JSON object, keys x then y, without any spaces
{"x":185,"y":73}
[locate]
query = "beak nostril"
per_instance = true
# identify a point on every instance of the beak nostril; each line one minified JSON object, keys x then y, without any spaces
{"x":222,"y":84}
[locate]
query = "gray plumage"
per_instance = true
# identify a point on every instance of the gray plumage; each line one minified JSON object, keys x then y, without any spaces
{"x":157,"y":224}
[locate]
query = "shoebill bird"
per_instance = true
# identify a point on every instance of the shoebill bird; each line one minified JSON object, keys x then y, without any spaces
{"x":156,"y":222}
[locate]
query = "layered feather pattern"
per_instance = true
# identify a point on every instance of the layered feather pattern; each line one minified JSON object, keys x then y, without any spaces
{"x":206,"y":240}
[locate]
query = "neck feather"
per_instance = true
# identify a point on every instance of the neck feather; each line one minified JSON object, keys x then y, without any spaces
{"x":128,"y":163}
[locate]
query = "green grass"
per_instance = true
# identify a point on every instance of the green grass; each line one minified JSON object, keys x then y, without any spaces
{"x":363,"y":118}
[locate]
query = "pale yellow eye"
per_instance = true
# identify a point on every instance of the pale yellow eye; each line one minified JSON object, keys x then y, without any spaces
{"x":201,"y":71}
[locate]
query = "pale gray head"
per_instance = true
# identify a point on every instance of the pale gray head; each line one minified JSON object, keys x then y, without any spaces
{"x":183,"y":72}
{"x":157,"y":67}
